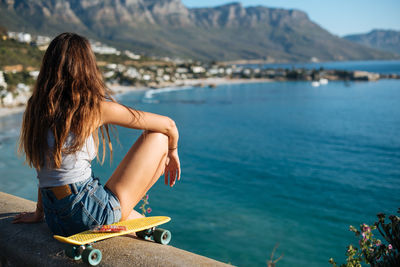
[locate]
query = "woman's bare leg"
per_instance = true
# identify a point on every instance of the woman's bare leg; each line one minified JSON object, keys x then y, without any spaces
{"x":138,"y":171}
{"x":134,"y":215}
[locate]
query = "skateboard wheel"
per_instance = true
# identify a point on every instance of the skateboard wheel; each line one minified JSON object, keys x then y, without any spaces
{"x":73,"y":252}
{"x":162,"y":236}
{"x":145,"y":233}
{"x":91,"y":256}
{"x":141,"y":234}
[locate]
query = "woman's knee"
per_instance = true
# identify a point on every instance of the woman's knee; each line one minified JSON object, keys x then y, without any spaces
{"x":159,"y":138}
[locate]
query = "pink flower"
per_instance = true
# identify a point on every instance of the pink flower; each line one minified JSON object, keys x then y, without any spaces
{"x":149,"y":210}
{"x":390,"y":246}
{"x":147,"y":197}
{"x":366,"y":229}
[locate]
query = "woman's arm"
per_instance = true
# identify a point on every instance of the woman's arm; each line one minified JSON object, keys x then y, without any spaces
{"x":114,"y":113}
{"x":31,"y":217}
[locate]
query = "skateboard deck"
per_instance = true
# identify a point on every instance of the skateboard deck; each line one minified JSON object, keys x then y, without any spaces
{"x":132,"y":226}
{"x":80,"y":244}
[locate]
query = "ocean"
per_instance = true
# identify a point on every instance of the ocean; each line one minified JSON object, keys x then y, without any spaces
{"x":263,"y":164}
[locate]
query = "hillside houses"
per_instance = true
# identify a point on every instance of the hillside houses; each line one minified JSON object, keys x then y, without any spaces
{"x":40,"y":41}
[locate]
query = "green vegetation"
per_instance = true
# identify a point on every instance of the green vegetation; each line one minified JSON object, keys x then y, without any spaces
{"x":145,"y":202}
{"x":12,"y":79}
{"x":13,"y":53}
{"x":372,"y":250}
{"x":3,"y":31}
{"x":121,"y":59}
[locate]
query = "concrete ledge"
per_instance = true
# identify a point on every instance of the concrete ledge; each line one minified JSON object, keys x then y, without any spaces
{"x":33,"y":245}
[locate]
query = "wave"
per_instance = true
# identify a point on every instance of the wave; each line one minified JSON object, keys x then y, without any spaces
{"x":149,"y":94}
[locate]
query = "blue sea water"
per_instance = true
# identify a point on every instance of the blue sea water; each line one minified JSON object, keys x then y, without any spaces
{"x":263,"y":164}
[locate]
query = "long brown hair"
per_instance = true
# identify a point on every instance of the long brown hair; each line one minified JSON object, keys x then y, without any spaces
{"x":66,"y":99}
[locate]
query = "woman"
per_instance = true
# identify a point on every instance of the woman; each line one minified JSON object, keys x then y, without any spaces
{"x":65,"y":120}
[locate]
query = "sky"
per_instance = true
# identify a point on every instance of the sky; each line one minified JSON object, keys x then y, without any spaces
{"x":340,"y":17}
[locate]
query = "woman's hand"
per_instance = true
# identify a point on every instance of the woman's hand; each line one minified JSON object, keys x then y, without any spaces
{"x":172,"y":168}
{"x":29,"y":217}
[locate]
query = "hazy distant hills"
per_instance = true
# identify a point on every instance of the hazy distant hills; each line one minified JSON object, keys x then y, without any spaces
{"x":167,"y":27}
{"x":385,"y":40}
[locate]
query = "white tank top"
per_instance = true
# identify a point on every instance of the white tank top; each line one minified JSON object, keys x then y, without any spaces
{"x":74,"y":167}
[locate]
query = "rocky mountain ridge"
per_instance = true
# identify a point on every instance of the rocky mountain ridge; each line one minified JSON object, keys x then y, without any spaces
{"x":385,"y":40}
{"x":167,"y":27}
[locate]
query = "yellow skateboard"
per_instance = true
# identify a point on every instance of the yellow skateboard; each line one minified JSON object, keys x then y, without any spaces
{"x":81,"y":243}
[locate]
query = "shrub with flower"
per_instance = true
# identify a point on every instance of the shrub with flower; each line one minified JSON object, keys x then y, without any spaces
{"x":372,"y":250}
{"x":145,"y":202}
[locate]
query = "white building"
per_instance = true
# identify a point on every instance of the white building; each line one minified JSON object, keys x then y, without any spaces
{"x":182,"y":70}
{"x":34,"y":73}
{"x":132,"y":55}
{"x":213,"y":71}
{"x":132,"y":73}
{"x":2,"y":80}
{"x":146,"y":77}
{"x":121,"y":68}
{"x":12,"y":35}
{"x":112,"y":66}
{"x":42,"y":40}
{"x":23,"y":88}
{"x":109,"y":74}
{"x":24,"y":37}
{"x":247,"y":72}
{"x":198,"y":69}
{"x":7,"y":99}
{"x":100,"y":48}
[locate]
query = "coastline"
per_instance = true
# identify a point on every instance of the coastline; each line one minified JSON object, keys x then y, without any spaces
{"x":7,"y":111}
{"x":119,"y":90}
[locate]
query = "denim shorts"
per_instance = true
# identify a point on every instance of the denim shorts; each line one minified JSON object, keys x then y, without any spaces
{"x":90,"y":204}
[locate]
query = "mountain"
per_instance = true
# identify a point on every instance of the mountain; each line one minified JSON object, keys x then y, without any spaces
{"x":385,"y":40}
{"x":167,"y":27}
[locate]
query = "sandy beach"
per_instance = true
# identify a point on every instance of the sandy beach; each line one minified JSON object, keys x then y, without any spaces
{"x":122,"y":89}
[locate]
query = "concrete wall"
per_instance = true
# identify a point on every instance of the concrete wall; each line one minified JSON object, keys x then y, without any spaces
{"x":33,"y":245}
